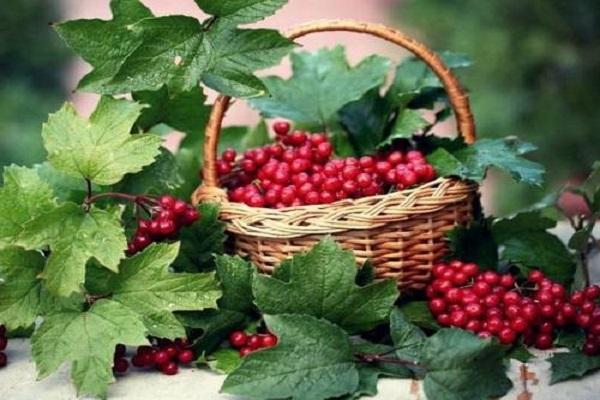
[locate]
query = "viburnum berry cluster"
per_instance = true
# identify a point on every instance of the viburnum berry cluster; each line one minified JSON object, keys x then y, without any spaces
{"x":168,"y":216}
{"x":491,"y":304}
{"x":299,"y":170}
{"x":246,"y":344}
{"x":164,"y":355}
{"x":3,"y":344}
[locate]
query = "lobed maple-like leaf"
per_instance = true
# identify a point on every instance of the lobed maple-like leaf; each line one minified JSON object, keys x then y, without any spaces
{"x":322,"y":83}
{"x":101,"y":150}
{"x":145,"y":286}
{"x":322,"y":283}
{"x":75,"y":236}
{"x":87,"y":340}
{"x":23,"y":197}
{"x":313,"y":360}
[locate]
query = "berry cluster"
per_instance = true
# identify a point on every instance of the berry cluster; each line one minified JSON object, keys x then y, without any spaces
{"x":246,"y":344}
{"x":588,"y":317}
{"x":3,"y":344}
{"x":168,"y":216}
{"x":491,"y":304}
{"x":299,"y":170}
{"x":165,"y":355}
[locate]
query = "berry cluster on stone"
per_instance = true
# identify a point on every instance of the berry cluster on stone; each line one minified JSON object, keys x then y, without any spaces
{"x":491,"y":304}
{"x":3,"y":345}
{"x":299,"y":169}
{"x":164,"y":355}
{"x":246,"y":344}
{"x":168,"y":216}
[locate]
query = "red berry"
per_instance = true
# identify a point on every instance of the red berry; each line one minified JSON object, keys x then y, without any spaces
{"x":268,"y":340}
{"x":167,"y":227}
{"x":120,"y":350}
{"x":161,"y":357}
{"x":363,"y":180}
{"x":511,"y":298}
{"x":543,"y":341}
{"x":507,"y":336}
{"x":577,"y":298}
{"x":238,"y":339}
{"x":166,"y":202}
{"x":324,"y":150}
{"x":244,"y":351}
{"x":312,"y":198}
{"x":281,"y":128}
{"x":191,"y":215}
{"x":507,"y":281}
{"x":592,"y":292}
{"x":535,"y":276}
{"x":169,"y":368}
{"x":458,"y":318}
{"x":491,"y":278}
{"x":519,"y":324}
{"x":185,"y":356}
{"x":395,"y":158}
{"x":474,"y":310}
{"x":120,"y":366}
{"x":470,"y":269}
{"x":437,"y":306}
{"x":481,"y":288}
{"x":589,"y":348}
{"x":588,"y":307}
{"x":473,"y":326}
{"x":254,"y":342}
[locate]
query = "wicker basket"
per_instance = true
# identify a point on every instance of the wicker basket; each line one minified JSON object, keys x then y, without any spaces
{"x":402,"y":233}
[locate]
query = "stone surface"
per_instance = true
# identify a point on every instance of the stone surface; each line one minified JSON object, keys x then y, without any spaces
{"x":18,"y":382}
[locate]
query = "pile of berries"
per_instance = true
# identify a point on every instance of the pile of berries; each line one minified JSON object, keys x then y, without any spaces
{"x":3,"y":344}
{"x":299,"y":170}
{"x":246,"y":344}
{"x":491,"y":304}
{"x":168,"y":216}
{"x":164,"y":355}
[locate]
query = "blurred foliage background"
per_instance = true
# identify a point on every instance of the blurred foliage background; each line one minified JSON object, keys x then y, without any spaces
{"x":32,"y":62}
{"x":536,"y":75}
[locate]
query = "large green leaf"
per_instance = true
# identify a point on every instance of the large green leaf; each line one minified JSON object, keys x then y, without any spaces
{"x":322,"y":83}
{"x":235,"y":307}
{"x":23,"y":197}
{"x":408,"y":123}
{"x":74,"y":237}
{"x":145,"y":285}
{"x":474,"y":243}
{"x":87,"y":340}
{"x":179,"y":52}
{"x":472,"y":162}
{"x":101,"y":149}
{"x":417,"y":313}
{"x":322,"y":283}
{"x":104,"y":44}
{"x":160,"y":177}
{"x":461,"y":366}
{"x":312,"y":361}
{"x":571,"y":365}
{"x":20,"y":287}
{"x":241,"y":11}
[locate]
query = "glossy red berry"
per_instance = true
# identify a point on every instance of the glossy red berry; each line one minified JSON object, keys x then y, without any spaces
{"x":254,"y":342}
{"x":281,"y":128}
{"x":169,"y":368}
{"x":238,"y":339}
{"x":161,"y":357}
{"x":268,"y":340}
{"x":185,"y":356}
{"x":120,"y":366}
{"x":244,"y":351}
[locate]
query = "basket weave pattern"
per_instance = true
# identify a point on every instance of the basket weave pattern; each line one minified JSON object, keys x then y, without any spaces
{"x":401,"y":233}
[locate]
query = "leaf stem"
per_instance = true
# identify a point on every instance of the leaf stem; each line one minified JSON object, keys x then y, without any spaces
{"x":380,"y":357}
{"x":137,"y":199}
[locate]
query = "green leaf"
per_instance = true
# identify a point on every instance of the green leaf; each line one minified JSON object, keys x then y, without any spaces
{"x":322,"y":83}
{"x":162,"y":176}
{"x":322,"y":284}
{"x":565,"y":366}
{"x":222,"y":361}
{"x":183,"y":111}
{"x":526,"y":242}
{"x":179,"y":52}
{"x":312,"y":361}
{"x":145,"y":285}
{"x":408,"y":338}
{"x":241,"y":11}
{"x":74,"y":237}
{"x":235,"y":307}
{"x":571,"y":338}
{"x":23,"y":197}
{"x":201,"y":241}
{"x":101,"y":149}
{"x":364,"y":276}
{"x":415,"y":79}
{"x":417,"y":313}
{"x":20,"y":287}
{"x":104,"y":44}
{"x":87,"y":340}
{"x":408,"y":123}
{"x":366,"y":121}
{"x":474,"y":243}
{"x":462,"y":366}
{"x":65,"y":187}
{"x":472,"y":162}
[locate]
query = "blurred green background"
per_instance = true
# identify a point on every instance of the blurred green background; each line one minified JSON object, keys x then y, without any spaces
{"x":536,"y":75}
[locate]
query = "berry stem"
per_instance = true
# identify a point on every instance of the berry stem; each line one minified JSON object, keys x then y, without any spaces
{"x":138,"y":199}
{"x":380,"y":358}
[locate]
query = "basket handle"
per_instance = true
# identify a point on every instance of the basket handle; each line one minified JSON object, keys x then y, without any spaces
{"x":459,"y":100}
